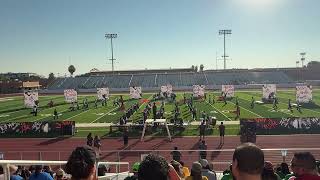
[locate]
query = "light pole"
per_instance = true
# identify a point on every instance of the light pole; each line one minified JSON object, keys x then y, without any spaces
{"x":111,"y":36}
{"x":302,"y":61}
{"x":224,"y":33}
{"x":302,"y":58}
{"x":297,"y":67}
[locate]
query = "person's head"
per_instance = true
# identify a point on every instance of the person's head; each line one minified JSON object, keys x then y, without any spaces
{"x":204,"y":163}
{"x":102,"y":169}
{"x":268,"y":172}
{"x":196,"y":170}
{"x":203,"y":142}
{"x":248,"y":161}
{"x":135,"y":168}
{"x":175,"y":148}
{"x":81,"y":163}
{"x":38,"y":169}
{"x":59,"y":173}
{"x":303,"y":163}
{"x":284,"y":168}
{"x":178,"y":167}
{"x":153,"y":167}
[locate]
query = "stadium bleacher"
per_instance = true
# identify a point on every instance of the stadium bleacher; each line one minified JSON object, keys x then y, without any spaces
{"x":175,"y":79}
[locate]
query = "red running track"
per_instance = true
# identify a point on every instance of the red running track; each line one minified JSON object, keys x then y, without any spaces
{"x":113,"y":149}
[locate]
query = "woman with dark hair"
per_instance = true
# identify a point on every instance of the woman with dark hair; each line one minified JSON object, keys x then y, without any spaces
{"x":196,"y":172}
{"x":82,"y":164}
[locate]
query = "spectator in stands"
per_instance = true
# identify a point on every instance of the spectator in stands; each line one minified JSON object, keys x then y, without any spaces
{"x":222,"y":132}
{"x":283,"y":170}
{"x":48,"y":170}
{"x":303,"y":165}
{"x":1,"y":173}
{"x":89,"y":139}
{"x":185,"y":169}
{"x":203,"y":150}
{"x":82,"y":164}
{"x":13,"y":173}
{"x":227,"y":174}
{"x":39,"y":175}
{"x":211,"y":175}
{"x":176,"y":154}
{"x":268,"y":172}
{"x":59,"y":174}
{"x":196,"y":172}
{"x":102,"y":170}
{"x":135,"y":169}
{"x":153,"y":167}
{"x":318,"y":166}
{"x":248,"y":162}
{"x":178,"y":168}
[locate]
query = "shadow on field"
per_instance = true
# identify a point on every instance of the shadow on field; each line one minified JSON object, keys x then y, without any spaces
{"x":54,"y":140}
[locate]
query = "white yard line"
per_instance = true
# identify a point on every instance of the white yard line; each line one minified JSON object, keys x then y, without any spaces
{"x":104,"y":115}
{"x":79,"y":114}
{"x":219,"y":111}
{"x":248,"y":110}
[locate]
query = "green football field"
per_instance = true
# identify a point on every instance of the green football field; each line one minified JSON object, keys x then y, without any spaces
{"x":12,"y":108}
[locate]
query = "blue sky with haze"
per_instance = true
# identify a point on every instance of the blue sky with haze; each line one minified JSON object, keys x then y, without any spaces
{"x":44,"y":36}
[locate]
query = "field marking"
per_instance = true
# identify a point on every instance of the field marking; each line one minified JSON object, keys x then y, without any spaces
{"x":248,"y":110}
{"x":218,"y":111}
{"x":79,"y":114}
{"x":14,"y":118}
{"x":5,"y":99}
{"x":104,"y":115}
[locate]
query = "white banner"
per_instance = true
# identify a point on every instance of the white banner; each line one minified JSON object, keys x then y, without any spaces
{"x":103,"y":93}
{"x":269,"y":91}
{"x":70,"y":95}
{"x":166,"y":89}
{"x":30,"y":97}
{"x":303,"y":94}
{"x":228,"y":90}
{"x":135,"y":92}
{"x":198,"y":90}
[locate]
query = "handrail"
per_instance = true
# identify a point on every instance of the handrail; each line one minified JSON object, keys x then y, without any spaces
{"x":5,"y":164}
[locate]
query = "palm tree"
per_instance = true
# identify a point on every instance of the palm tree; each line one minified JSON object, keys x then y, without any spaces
{"x":71,"y":69}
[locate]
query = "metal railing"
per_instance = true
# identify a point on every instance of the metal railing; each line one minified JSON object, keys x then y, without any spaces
{"x":5,"y":164}
{"x":220,"y":158}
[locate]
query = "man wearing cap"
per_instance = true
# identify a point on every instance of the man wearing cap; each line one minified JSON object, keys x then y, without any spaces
{"x":205,"y":171}
{"x":248,"y":162}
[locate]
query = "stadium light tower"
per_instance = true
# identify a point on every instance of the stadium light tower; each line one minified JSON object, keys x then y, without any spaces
{"x":302,"y":58}
{"x":111,"y":36}
{"x":224,"y":33}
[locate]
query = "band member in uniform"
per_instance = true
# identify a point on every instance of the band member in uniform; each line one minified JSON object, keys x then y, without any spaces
{"x":252,"y":102}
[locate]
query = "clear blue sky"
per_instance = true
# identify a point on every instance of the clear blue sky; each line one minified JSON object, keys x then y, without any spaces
{"x":44,"y":36}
